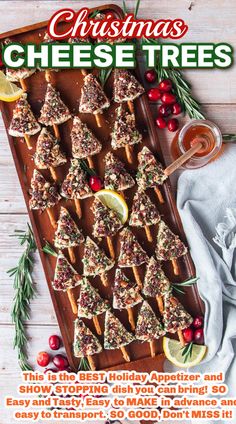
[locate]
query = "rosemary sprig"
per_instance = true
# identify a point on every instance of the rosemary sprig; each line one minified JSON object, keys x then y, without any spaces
{"x":181,"y":87}
{"x":86,"y":168}
{"x":94,"y":14}
{"x":48,"y":249}
{"x":136,"y":9}
{"x":24,"y":292}
{"x":186,"y":283}
{"x":229,"y":138}
{"x":187,"y":351}
{"x":104,"y":75}
{"x":84,"y":365}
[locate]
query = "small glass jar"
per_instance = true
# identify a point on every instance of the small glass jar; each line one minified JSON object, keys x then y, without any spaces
{"x":182,"y":142}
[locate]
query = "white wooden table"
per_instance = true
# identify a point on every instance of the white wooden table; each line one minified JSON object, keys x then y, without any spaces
{"x":209,"y":20}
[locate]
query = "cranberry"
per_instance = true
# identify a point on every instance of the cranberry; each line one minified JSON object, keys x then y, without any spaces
{"x":54,"y":342}
{"x":154,"y":94}
{"x":43,"y":359}
{"x":199,"y":336}
{"x":61,"y":362}
{"x":49,"y":370}
{"x":164,"y":110}
{"x":198,"y":322}
{"x":165,"y":85}
{"x":150,"y":75}
{"x":176,"y":109}
{"x":188,"y":335}
{"x":173,"y":125}
{"x":95,"y":183}
{"x":160,"y":122}
{"x":168,"y":98}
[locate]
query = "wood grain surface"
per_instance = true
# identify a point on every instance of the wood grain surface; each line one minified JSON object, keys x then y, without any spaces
{"x":208,"y":20}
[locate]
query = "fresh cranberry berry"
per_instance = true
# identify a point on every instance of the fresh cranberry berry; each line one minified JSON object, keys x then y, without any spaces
{"x":61,"y":362}
{"x":43,"y":359}
{"x":54,"y":342}
{"x":198,"y":322}
{"x":160,"y":122}
{"x":168,"y":98}
{"x":154,"y":94}
{"x":165,"y":85}
{"x":173,"y":125}
{"x":150,"y":75}
{"x":199,"y":336}
{"x":95,"y":183}
{"x":188,"y":335}
{"x":164,"y":110}
{"x":176,"y":109}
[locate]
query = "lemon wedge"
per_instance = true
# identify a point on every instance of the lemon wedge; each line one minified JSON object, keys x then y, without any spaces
{"x":9,"y":92}
{"x":114,"y":201}
{"x":173,"y":351}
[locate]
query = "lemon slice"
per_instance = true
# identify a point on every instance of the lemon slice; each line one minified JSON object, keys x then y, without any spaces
{"x":9,"y":92}
{"x":173,"y":351}
{"x":114,"y":201}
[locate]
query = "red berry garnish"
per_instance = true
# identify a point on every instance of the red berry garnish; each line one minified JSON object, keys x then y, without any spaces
{"x":150,"y":75}
{"x":198,"y":322}
{"x":43,"y":359}
{"x":188,"y":335}
{"x":165,"y":85}
{"x":168,"y":98}
{"x":160,"y":122}
{"x":54,"y":342}
{"x":154,"y":94}
{"x":61,"y":362}
{"x":164,"y":110}
{"x":173,"y":125}
{"x":176,"y":109}
{"x":199,"y":336}
{"x":95,"y":183}
{"x":49,"y":370}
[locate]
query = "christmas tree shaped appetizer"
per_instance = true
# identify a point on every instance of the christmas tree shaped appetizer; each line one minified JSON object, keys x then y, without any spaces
{"x":23,"y":123}
{"x":148,"y":326}
{"x":54,"y":111}
{"x":126,"y":87}
{"x":84,"y":142}
{"x":18,"y":75}
{"x":131,"y":253}
{"x":90,"y":304}
{"x":85,"y":343}
{"x":115,"y":175}
{"x":125,"y":133}
{"x":48,"y":153}
{"x":67,"y":235}
{"x":116,"y":336}
{"x":93,"y":99}
{"x":169,"y":246}
{"x":66,"y":279}
{"x":75,"y":186}
{"x":175,"y":317}
{"x":44,"y":195}
{"x":95,"y":261}
{"x":150,"y":172}
{"x":144,"y":213}
{"x":125,"y":295}
{"x":156,"y":284}
{"x":106,"y":223}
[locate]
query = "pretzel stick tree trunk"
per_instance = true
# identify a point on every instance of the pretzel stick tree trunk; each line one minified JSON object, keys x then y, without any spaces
{"x":175,"y":266}
{"x":48,"y":75}
{"x":137,"y":277}
{"x":131,"y":318}
{"x":152,"y":348}
{"x":104,"y":280}
{"x":72,"y":255}
{"x":28,"y":142}
{"x":148,"y":233}
{"x":125,"y":354}
{"x":51,"y":217}
{"x":23,"y":85}
{"x":160,"y":304}
{"x":53,"y":173}
{"x":130,"y":106}
{"x":181,"y":337}
{"x":72,"y":300}
{"x":90,"y":162}
{"x":56,"y":131}
{"x":98,"y":120}
{"x":111,"y":247}
{"x":78,"y":208}
{"x":159,"y":195}
{"x":128,"y":152}
{"x":97,"y":325}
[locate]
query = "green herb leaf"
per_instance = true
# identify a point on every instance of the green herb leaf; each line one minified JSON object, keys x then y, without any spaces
{"x":94,"y":14}
{"x":47,"y":248}
{"x":187,"y":351}
{"x":86,"y":168}
{"x":187,"y":283}
{"x":229,"y":138}
{"x":137,"y":8}
{"x":104,"y":75}
{"x":124,"y":7}
{"x":84,"y":365}
{"x":24,"y":292}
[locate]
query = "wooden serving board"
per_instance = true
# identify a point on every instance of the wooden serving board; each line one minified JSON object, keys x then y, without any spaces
{"x":68,"y":83}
